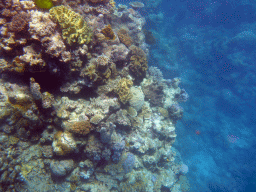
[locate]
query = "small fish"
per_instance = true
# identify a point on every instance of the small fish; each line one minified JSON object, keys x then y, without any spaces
{"x":197,"y":132}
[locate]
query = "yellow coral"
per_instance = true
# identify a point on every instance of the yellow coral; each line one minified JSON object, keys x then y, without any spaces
{"x":123,"y":90}
{"x":74,"y":28}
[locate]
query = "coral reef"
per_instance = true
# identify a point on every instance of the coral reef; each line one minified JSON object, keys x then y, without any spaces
{"x":74,"y":28}
{"x":80,"y":110}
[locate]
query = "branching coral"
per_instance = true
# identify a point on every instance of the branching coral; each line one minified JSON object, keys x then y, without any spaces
{"x":138,"y":62}
{"x":74,"y":28}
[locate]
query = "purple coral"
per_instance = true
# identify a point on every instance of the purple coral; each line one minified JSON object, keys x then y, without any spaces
{"x":117,"y":148}
{"x":128,"y":163}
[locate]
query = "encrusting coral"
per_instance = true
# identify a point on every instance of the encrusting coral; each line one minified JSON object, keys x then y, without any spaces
{"x":74,"y":27}
{"x":125,"y":37}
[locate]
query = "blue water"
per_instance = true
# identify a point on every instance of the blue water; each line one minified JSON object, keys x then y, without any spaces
{"x":211,"y":46}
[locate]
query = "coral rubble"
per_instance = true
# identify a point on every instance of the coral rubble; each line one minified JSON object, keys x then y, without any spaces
{"x":80,"y":110}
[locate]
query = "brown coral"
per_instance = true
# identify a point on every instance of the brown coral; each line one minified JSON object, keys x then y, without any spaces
{"x":78,"y":127}
{"x":19,"y":22}
{"x":123,"y":90}
{"x":138,"y":62}
{"x":108,"y":32}
{"x":124,"y":37}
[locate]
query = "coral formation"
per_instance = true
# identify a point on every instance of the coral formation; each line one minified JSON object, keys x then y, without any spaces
{"x":43,"y":29}
{"x":63,"y":143}
{"x":137,"y":99}
{"x":79,"y":127}
{"x":108,"y":32}
{"x":104,"y":122}
{"x":123,"y":90}
{"x":74,"y":27}
{"x":154,"y":93}
{"x":125,"y":37}
{"x":19,"y":22}
{"x":138,"y":62}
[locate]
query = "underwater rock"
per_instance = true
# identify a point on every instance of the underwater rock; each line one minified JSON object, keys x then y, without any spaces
{"x":43,"y":29}
{"x":63,"y":143}
{"x":93,"y":149}
{"x":61,"y":168}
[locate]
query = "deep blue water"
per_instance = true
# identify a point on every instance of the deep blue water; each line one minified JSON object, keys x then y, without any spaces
{"x":211,"y":46}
